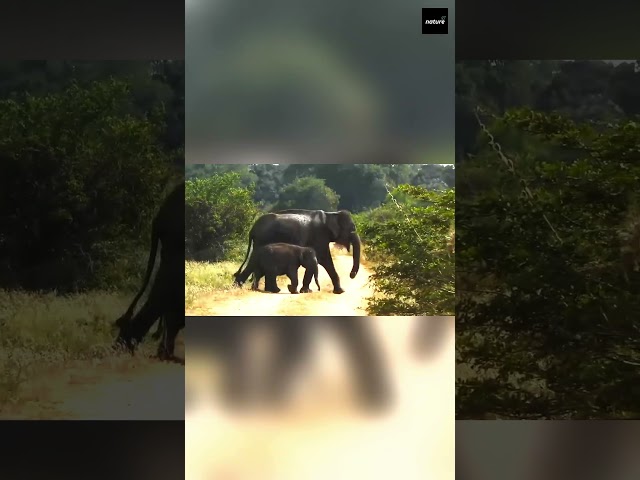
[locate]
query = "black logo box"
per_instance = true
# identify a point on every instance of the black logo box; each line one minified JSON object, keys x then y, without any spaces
{"x":435,"y":21}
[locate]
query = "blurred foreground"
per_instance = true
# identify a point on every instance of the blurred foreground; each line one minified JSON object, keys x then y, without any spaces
{"x":321,"y":428}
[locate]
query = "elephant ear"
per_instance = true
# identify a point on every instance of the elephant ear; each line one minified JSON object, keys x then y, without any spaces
{"x":333,"y":225}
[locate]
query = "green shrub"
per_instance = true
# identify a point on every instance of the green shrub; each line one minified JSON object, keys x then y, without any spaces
{"x":218,"y":214}
{"x":414,"y":269}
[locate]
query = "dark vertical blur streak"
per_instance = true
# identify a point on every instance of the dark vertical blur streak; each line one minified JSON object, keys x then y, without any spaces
{"x":550,"y":450}
{"x":294,"y":338}
{"x":588,"y":450}
{"x":429,"y":335}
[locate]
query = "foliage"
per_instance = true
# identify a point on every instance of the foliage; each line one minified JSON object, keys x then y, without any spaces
{"x":80,"y":178}
{"x":41,"y":332}
{"x":414,"y":269}
{"x":545,"y":295}
{"x":586,"y":91}
{"x":218,"y":210}
{"x":307,"y":192}
{"x":200,"y":278}
{"x":359,"y":187}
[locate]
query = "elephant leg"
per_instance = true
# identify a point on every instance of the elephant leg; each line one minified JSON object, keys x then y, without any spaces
{"x":160,"y":330}
{"x":292,"y":344}
{"x":173,"y":323}
{"x":270,"y":283}
{"x":327,"y":262}
{"x":293,"y":276}
{"x":429,"y":334}
{"x":243,"y":276}
{"x":235,"y":389}
{"x":306,"y":281}
{"x":132,"y":334}
{"x":365,"y":358}
{"x":257,"y":275}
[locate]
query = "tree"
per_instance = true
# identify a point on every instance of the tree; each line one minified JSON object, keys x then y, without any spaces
{"x":307,"y":192}
{"x":81,"y":177}
{"x":218,"y":211}
{"x":547,"y":303}
{"x":414,"y":269}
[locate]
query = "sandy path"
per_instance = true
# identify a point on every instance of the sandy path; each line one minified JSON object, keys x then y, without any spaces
{"x":243,"y":302}
{"x":119,"y":388}
{"x":323,"y":436}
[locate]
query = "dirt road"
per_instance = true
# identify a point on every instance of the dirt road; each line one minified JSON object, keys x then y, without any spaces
{"x":322,"y":434}
{"x":242,"y":302}
{"x":118,"y":388}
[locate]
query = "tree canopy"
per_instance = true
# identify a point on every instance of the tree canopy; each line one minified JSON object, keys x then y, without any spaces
{"x":357,"y":187}
{"x":548,"y":287}
{"x":87,"y":150}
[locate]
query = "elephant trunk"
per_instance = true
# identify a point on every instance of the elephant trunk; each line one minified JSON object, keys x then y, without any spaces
{"x":354,"y":240}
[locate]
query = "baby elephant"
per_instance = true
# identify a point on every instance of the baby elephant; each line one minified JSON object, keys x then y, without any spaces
{"x":280,"y":259}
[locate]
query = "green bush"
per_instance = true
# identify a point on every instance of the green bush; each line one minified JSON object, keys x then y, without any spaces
{"x":80,"y":179}
{"x":545,"y":292}
{"x":414,"y":269}
{"x":218,"y":214}
{"x":307,"y":192}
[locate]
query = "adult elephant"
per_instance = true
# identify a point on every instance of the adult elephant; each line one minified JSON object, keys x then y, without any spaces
{"x":309,"y":228}
{"x":166,"y":297}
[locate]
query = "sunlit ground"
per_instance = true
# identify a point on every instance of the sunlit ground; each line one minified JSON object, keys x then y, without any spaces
{"x":322,"y":433}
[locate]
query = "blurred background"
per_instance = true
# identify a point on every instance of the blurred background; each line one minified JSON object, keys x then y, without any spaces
{"x":353,"y":397}
{"x":290,"y":81}
{"x":556,"y":450}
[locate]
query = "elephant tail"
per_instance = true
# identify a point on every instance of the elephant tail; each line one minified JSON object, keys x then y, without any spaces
{"x":155,"y":240}
{"x":245,"y":257}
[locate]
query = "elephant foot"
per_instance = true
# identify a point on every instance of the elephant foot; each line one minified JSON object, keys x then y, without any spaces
{"x":338,"y":290}
{"x":273,"y":290}
{"x":305,"y":290}
{"x":253,"y":287}
{"x":291,"y":289}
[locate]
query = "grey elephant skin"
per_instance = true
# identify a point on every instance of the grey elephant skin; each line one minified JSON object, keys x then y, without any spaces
{"x":166,"y":298}
{"x":281,"y":259}
{"x":309,"y":228}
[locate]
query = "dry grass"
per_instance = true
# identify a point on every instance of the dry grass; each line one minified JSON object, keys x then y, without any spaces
{"x":202,"y":278}
{"x":209,"y":291}
{"x":43,"y":333}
